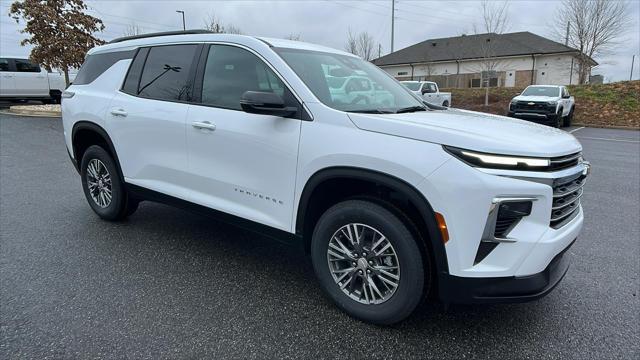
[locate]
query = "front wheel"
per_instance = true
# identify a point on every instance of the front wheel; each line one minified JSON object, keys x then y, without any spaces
{"x":102,"y":186}
{"x":569,"y":119}
{"x":445,"y":103}
{"x":368,"y":262}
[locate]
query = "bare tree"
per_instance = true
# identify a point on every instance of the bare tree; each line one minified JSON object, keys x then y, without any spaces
{"x":495,"y":21}
{"x":132,"y":30}
{"x":495,"y":17}
{"x":295,"y":37}
{"x":214,"y":24}
{"x":594,"y":28}
{"x":361,"y":44}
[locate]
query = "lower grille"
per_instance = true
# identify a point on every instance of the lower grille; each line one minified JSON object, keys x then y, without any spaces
{"x":566,"y":199}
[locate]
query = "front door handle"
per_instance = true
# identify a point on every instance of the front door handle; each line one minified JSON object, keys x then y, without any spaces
{"x":118,"y":112}
{"x":206,"y":125}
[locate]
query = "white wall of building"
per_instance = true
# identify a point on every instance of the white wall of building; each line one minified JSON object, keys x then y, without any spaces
{"x":550,"y":69}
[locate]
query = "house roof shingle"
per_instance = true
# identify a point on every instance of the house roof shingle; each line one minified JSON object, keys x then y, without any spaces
{"x":473,"y":47}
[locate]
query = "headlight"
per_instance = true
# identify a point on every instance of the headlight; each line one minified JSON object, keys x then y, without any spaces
{"x":494,"y":161}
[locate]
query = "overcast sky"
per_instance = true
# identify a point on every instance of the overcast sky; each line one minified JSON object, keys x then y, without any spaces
{"x":327,"y":22}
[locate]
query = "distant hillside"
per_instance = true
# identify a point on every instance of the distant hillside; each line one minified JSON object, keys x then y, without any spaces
{"x":605,"y":105}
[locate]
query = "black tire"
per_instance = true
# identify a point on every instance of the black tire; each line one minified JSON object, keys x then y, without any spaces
{"x":120,"y":205}
{"x":445,"y":103}
{"x":409,"y":291}
{"x":559,"y":119}
{"x":569,"y":119}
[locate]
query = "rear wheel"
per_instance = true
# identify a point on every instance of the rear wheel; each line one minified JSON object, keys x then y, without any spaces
{"x":102,"y":186}
{"x":445,"y":103}
{"x":368,"y":262}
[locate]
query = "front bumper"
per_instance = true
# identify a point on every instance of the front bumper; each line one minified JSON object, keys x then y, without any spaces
{"x":460,"y":290}
{"x":544,"y":118}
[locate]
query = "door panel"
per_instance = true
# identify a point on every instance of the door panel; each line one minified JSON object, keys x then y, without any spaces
{"x":246,"y":165}
{"x":30,"y":80}
{"x":240,"y":163}
{"x":7,"y":82}
{"x":149,"y":135}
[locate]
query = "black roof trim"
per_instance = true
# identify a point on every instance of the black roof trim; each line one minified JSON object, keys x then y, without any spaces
{"x":164,"y":33}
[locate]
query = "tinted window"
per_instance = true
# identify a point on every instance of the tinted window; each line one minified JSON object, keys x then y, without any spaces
{"x":429,"y":87}
{"x":26,"y":66}
{"x":95,"y":65}
{"x":132,"y":81}
{"x":166,"y":73}
{"x":4,"y":64}
{"x":231,"y":71}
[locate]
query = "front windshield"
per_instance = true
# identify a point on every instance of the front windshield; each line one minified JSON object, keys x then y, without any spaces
{"x":549,"y":91}
{"x":411,"y":85}
{"x":348,"y":83}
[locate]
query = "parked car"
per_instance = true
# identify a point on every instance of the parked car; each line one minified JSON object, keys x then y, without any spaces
{"x":429,"y":91}
{"x":357,"y":89}
{"x":391,"y":201}
{"x":24,"y":80}
{"x":545,"y":104}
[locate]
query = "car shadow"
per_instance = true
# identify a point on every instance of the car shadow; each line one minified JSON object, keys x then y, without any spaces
{"x":187,"y":242}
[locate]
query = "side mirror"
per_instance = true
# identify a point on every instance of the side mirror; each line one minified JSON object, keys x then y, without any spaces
{"x":566,"y":96}
{"x":265,"y":103}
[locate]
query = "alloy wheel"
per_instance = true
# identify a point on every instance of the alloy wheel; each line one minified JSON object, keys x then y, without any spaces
{"x":99,"y":183}
{"x":363,"y":263}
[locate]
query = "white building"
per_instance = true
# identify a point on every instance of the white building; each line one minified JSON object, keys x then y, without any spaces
{"x":514,"y":59}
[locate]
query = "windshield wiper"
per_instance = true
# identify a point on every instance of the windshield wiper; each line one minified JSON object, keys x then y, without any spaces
{"x":410,"y":109}
{"x":371,"y":111}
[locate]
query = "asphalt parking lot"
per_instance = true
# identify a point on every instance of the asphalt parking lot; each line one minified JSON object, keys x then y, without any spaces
{"x":170,"y":284}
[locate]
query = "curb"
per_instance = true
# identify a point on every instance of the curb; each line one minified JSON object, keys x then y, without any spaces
{"x":26,"y":112}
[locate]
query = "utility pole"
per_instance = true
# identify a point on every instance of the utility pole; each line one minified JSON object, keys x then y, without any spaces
{"x":393,"y":15}
{"x":633,"y":59}
{"x":566,"y":38}
{"x":184,"y":27}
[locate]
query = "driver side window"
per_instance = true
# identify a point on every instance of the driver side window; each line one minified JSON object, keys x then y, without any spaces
{"x":231,"y":71}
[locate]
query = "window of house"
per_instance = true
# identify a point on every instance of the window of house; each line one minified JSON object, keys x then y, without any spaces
{"x":400,"y":73}
{"x":166,"y":73}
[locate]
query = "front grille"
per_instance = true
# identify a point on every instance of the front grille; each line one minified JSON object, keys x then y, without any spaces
{"x":564,"y":162}
{"x":523,"y":106}
{"x":566,"y":199}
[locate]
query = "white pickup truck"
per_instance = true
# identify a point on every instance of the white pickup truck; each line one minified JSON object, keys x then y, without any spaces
{"x":545,"y":104}
{"x":429,"y":91}
{"x":21,"y":80}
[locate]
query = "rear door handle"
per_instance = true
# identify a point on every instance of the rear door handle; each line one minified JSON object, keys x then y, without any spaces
{"x":206,"y":125}
{"x":118,"y":112}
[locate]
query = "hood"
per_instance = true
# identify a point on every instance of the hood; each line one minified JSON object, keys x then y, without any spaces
{"x":536,"y":98}
{"x":473,"y":131}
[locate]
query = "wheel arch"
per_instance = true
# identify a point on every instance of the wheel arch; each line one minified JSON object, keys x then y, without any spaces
{"x":85,"y":134}
{"x":314,"y":200}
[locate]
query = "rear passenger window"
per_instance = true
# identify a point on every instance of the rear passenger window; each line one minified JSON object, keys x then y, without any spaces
{"x":95,"y":65}
{"x":4,"y":64}
{"x":231,"y":71}
{"x":26,"y":66}
{"x":166,"y":73}
{"x":132,"y":82}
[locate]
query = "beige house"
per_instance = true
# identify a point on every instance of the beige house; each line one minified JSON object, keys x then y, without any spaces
{"x":510,"y":60}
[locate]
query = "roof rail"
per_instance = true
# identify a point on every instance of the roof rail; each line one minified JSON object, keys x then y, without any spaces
{"x":164,"y":33}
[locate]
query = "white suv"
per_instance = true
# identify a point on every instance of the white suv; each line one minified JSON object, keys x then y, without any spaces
{"x":392,"y":201}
